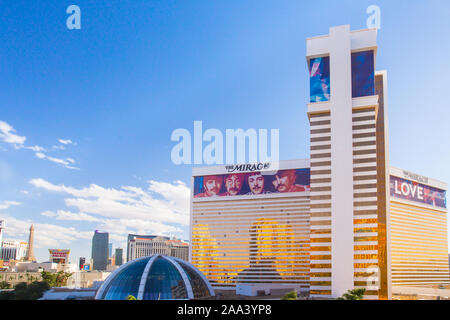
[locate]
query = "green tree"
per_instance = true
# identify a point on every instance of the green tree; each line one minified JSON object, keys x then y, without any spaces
{"x":290,"y":296}
{"x":355,"y":294}
{"x":32,"y":291}
{"x":61,"y":278}
{"x":58,"y":279}
{"x":130,"y":297}
{"x":4,"y":285}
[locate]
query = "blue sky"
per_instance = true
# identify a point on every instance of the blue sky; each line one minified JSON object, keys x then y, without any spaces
{"x":97,"y":106}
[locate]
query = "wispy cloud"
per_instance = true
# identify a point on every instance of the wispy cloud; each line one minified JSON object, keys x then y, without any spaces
{"x":7,"y":204}
{"x":8,"y":135}
{"x":46,"y":235}
{"x":68,"y":141}
{"x":161,"y":209}
{"x":64,"y":162}
{"x":70,"y":216}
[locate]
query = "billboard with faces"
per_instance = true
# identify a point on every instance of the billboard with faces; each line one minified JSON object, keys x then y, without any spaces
{"x":252,"y":183}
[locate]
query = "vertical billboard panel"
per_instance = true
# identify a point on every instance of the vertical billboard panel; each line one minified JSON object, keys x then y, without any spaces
{"x":363,"y":74}
{"x":319,"y":79}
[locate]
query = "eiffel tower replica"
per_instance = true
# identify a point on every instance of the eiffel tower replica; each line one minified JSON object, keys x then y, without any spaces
{"x":30,"y":254}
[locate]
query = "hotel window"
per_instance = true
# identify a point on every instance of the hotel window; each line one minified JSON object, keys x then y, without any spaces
{"x":363,"y":71}
{"x":319,"y":79}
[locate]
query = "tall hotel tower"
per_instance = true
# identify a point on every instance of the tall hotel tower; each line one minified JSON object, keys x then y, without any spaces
{"x":341,"y":220}
{"x":348,"y":163}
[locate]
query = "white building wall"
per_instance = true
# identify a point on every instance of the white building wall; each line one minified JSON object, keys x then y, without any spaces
{"x":341,"y":160}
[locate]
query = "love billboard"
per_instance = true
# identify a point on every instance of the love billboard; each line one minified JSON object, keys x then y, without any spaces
{"x":415,"y":191}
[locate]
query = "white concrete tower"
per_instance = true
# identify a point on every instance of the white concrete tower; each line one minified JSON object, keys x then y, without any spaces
{"x":344,"y":205}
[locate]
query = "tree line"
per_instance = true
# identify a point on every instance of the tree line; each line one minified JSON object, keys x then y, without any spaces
{"x":35,"y":289}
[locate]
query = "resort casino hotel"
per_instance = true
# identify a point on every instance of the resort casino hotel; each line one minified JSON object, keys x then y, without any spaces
{"x":342,"y":219}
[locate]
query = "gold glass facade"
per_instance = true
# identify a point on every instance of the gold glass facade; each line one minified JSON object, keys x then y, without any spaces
{"x":419,"y":246}
{"x":365,"y":200}
{"x":382,"y":189}
{"x":251,"y":241}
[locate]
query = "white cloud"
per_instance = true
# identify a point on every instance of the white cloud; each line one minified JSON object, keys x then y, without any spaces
{"x":40,"y":155}
{"x":161,"y":210}
{"x":48,"y":214}
{"x":70,"y":216}
{"x":7,"y":134}
{"x":64,"y":162}
{"x":35,"y":148}
{"x":45,"y":235}
{"x":65,"y":141}
{"x":6,"y":204}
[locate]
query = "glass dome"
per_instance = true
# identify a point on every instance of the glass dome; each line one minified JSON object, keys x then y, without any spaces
{"x":155,"y":277}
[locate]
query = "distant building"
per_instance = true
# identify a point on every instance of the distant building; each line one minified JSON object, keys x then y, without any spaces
{"x":60,"y":256}
{"x":131,"y":237}
{"x":179,"y":249}
{"x":85,"y":279}
{"x":109,"y":250}
{"x":139,"y":246}
{"x":100,"y":250}
{"x":76,"y":280}
{"x":42,"y":266}
{"x":13,"y":250}
{"x":118,"y":256}
{"x":81,"y":263}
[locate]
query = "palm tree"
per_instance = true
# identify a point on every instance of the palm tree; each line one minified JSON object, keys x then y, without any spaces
{"x":290,"y":296}
{"x":355,"y":294}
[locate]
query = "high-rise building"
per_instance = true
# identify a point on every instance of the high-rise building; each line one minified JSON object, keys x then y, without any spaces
{"x":100,"y":250}
{"x":30,"y":253}
{"x":142,"y":246}
{"x":118,"y":257}
{"x":110,"y":250}
{"x":81,"y":263}
{"x":131,"y":237}
{"x":342,"y":219}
